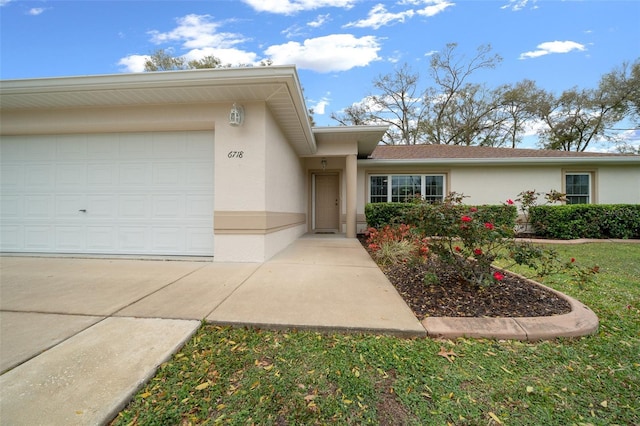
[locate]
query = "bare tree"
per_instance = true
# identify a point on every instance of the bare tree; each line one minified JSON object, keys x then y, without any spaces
{"x":397,"y":103}
{"x":458,"y":112}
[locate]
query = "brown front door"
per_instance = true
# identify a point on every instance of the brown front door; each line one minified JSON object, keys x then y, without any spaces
{"x":327,"y":202}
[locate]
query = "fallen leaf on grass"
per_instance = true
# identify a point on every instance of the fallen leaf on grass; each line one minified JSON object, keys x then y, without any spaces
{"x":494,"y":417}
{"x":202,"y":386}
{"x":449,"y":355}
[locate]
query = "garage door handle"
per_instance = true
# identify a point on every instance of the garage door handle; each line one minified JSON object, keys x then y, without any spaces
{"x":83,"y":210}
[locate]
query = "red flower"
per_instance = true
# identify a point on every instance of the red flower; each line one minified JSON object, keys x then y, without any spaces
{"x":573,"y":259}
{"x":498,"y":276}
{"x":510,"y":201}
{"x":489,"y":226}
{"x":466,"y":219}
{"x":457,"y":248}
{"x":473,"y":209}
{"x":477,"y":252}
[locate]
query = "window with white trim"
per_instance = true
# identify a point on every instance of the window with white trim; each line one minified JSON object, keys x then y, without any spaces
{"x":401,"y":188}
{"x":578,"y":188}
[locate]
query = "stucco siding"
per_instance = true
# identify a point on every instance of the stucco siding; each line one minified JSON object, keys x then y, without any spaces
{"x":618,"y":185}
{"x":494,"y":185}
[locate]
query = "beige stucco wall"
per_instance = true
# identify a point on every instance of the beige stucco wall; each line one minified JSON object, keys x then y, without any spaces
{"x":260,"y":199}
{"x":618,"y":184}
{"x":495,"y":184}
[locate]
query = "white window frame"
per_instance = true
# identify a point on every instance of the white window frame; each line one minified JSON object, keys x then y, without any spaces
{"x":589,"y":194}
{"x":389,"y":177}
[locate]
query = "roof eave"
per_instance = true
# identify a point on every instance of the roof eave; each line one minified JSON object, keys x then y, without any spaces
{"x":538,"y":161}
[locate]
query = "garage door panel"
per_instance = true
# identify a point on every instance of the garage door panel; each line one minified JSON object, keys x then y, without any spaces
{"x":68,"y":206}
{"x":39,"y":177}
{"x":138,"y":193}
{"x":200,"y":174}
{"x":133,"y":207}
{"x":38,"y":206}
{"x":12,"y":237}
{"x":69,"y":238}
{"x":197,"y":147}
{"x":12,"y":177}
{"x":103,"y":147}
{"x":71,"y":176}
{"x":198,"y":206}
{"x":102,"y":174}
{"x":102,"y":207}
{"x":11,"y":206}
{"x":135,"y":174}
{"x":133,"y":239}
{"x":136,"y":146}
{"x":168,"y":239}
{"x":199,"y":240}
{"x":101,"y":238}
{"x":168,"y":206}
{"x":71,"y":147}
{"x":169,"y":146}
{"x":168,"y":174}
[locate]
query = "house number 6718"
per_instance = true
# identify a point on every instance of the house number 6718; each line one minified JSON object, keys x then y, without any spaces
{"x":235,"y":154}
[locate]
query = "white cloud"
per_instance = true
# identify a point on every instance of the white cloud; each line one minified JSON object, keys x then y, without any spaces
{"x":195,"y":32}
{"x":319,"y":21}
{"x":133,"y":63}
{"x":5,"y":2}
{"x":36,"y":11}
{"x":229,"y":56}
{"x":336,"y":52}
{"x":320,"y":106}
{"x":517,"y":5}
{"x":553,"y":47}
{"x":379,"y":16}
{"x":434,"y":7}
{"x":290,"y":7}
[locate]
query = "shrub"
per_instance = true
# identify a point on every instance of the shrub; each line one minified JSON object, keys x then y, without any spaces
{"x":381,"y":214}
{"x":587,"y":221}
{"x":426,"y":217}
{"x":396,"y":244}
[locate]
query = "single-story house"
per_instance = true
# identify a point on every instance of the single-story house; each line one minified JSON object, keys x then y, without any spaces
{"x":225,"y":163}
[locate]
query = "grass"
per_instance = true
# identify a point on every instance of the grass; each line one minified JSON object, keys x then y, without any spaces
{"x":242,"y":376}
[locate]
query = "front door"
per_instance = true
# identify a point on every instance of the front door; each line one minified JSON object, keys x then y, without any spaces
{"x":327,"y":204}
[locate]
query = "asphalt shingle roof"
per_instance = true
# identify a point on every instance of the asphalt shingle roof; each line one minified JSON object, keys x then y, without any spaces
{"x":415,"y":152}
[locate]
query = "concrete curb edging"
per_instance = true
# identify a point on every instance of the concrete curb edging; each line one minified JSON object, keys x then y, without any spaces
{"x":581,"y":321}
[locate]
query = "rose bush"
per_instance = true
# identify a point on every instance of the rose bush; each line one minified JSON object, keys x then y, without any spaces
{"x":469,"y":242}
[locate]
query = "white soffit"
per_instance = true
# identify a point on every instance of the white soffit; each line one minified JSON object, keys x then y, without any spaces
{"x":367,"y":137}
{"x":278,"y":86}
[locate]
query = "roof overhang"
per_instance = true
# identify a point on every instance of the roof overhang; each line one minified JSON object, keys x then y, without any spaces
{"x":366,"y":137}
{"x":278,"y":86}
{"x":529,"y":161}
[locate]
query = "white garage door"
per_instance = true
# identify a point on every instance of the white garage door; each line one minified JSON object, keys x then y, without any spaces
{"x":134,"y":193}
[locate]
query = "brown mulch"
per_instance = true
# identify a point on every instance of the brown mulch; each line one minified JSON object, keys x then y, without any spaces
{"x":449,"y":296}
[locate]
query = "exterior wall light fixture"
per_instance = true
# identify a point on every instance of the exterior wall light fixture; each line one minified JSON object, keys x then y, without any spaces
{"x":324,"y":164}
{"x":236,"y":116}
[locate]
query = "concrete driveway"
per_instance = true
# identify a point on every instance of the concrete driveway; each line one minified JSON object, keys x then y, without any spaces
{"x":78,"y":337}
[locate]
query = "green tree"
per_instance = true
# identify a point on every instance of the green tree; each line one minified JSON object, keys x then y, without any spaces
{"x":579,"y":117}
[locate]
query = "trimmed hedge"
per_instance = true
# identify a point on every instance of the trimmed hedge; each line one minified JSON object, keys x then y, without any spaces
{"x":426,"y":217}
{"x":569,"y":222}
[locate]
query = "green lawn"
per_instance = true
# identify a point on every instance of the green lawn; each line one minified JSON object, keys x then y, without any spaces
{"x":238,"y":376}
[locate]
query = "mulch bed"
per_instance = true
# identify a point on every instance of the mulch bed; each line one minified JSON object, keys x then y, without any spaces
{"x":449,"y":296}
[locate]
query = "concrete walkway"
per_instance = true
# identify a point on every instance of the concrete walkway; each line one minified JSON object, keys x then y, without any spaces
{"x":78,"y":337}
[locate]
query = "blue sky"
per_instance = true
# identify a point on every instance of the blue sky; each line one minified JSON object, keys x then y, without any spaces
{"x":339,"y":46}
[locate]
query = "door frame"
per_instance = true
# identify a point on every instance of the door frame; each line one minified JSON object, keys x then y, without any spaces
{"x":312,"y":199}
